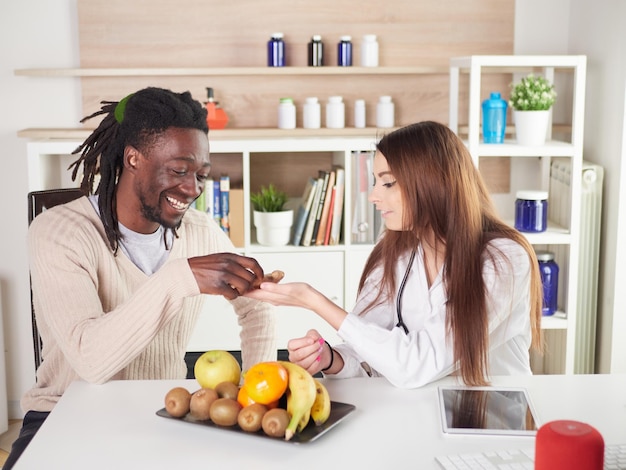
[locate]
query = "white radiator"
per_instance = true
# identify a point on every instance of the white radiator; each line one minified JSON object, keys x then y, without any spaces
{"x":586,"y":308}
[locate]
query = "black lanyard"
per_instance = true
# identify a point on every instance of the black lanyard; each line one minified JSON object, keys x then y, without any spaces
{"x":401,"y":293}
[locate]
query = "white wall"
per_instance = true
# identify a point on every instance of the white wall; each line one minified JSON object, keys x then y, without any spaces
{"x":43,"y":33}
{"x":597,"y":30}
{"x":4,"y":411}
{"x":33,"y":33}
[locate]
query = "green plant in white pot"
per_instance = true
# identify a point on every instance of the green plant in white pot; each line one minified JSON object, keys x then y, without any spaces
{"x":531,"y":100}
{"x":272,"y":221}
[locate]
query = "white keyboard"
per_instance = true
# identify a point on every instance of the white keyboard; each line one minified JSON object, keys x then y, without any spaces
{"x":520,"y":459}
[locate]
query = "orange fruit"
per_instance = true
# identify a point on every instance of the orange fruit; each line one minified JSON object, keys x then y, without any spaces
{"x":265,"y":382}
{"x":244,"y":400}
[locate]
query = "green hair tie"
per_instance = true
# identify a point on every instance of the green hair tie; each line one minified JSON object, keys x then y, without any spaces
{"x":120,"y":109}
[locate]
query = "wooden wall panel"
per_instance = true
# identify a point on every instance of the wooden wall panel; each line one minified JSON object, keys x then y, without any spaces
{"x":209,"y":33}
{"x":194,"y":33}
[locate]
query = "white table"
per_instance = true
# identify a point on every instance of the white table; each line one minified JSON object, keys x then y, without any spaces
{"x":114,"y":426}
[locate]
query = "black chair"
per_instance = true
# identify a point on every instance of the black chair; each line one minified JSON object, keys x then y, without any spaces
{"x":39,"y":201}
{"x":192,"y":356}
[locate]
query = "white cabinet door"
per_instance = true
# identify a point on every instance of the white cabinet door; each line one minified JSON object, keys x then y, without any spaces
{"x":355,"y":262}
{"x":324,"y":271}
{"x":217,"y":327}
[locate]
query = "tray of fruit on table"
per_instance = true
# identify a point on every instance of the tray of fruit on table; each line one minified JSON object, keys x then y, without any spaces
{"x":276,"y":400}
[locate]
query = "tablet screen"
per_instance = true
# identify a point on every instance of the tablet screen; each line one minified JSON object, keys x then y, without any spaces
{"x":487,"y":410}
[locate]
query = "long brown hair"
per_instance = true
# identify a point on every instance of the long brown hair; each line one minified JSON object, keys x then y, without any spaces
{"x":445,"y":195}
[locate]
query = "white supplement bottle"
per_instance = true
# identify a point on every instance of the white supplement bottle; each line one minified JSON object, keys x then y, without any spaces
{"x":385,"y":112}
{"x":286,"y":114}
{"x":369,"y":51}
{"x":312,"y":113}
{"x":335,"y":113}
{"x":359,"y":113}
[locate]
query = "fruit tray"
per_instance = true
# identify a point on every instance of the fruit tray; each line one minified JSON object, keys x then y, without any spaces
{"x":338,"y":412}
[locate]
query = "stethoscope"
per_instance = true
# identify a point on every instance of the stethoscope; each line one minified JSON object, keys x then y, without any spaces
{"x":401,"y":293}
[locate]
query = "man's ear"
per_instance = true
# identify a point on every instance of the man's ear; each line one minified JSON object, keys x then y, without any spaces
{"x":131,"y":158}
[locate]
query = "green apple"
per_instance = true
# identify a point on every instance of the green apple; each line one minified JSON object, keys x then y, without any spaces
{"x":217,"y":366}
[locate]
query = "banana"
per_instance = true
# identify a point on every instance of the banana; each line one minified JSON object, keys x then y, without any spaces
{"x":320,"y":411}
{"x":306,"y":417}
{"x":300,"y":397}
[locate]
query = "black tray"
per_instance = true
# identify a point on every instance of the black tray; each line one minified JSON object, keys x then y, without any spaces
{"x":338,"y":412}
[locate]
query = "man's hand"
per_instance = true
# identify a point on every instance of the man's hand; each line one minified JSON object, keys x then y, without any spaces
{"x":226,"y":274}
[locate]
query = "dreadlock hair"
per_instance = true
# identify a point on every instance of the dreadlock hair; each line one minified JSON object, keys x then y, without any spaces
{"x":137,"y":120}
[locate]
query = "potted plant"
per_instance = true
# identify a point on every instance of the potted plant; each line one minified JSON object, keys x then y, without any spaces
{"x":272,"y":221}
{"x":531,"y":100}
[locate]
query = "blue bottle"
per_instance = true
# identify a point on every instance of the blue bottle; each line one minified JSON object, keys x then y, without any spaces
{"x":344,"y":51}
{"x":531,"y":211}
{"x":550,"y":279}
{"x":494,"y":119}
{"x":276,"y":51}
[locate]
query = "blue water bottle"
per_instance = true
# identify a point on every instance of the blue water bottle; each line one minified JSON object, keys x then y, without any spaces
{"x":276,"y":51}
{"x":494,"y":119}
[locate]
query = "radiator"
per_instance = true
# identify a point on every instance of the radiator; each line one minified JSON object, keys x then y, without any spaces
{"x":590,"y":218}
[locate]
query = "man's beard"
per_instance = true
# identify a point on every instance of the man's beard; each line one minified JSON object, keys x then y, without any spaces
{"x":153,"y":214}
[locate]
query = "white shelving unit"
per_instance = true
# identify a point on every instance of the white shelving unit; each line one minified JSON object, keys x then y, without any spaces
{"x":335,"y":270}
{"x":49,"y":155}
{"x":475,"y":67}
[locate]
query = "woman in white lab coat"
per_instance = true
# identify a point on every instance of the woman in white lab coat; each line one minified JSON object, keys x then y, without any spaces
{"x":449,"y":287}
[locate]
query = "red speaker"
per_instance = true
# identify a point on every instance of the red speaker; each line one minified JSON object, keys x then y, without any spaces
{"x":567,"y":445}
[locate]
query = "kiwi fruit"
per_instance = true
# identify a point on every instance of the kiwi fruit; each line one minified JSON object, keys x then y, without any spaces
{"x":227,"y":390}
{"x":275,"y":421}
{"x":200,"y":403}
{"x":250,"y":417}
{"x":224,"y":411}
{"x":275,"y":276}
{"x":177,"y":402}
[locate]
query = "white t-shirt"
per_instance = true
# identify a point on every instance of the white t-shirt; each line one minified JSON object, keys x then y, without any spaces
{"x":147,"y":251}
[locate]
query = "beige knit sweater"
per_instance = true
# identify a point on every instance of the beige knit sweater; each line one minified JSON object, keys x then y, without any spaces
{"x":101,"y":318}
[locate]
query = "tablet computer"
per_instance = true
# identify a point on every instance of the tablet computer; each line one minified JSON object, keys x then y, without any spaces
{"x":487,"y":410}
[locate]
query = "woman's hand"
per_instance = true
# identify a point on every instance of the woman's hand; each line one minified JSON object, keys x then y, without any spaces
{"x":309,"y":352}
{"x":299,"y":294}
{"x":293,"y":294}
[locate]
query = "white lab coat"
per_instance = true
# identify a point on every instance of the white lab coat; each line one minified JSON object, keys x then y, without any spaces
{"x":373,"y":345}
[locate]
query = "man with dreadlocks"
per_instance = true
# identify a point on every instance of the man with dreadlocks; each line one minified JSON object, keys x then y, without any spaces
{"x":117,"y":275}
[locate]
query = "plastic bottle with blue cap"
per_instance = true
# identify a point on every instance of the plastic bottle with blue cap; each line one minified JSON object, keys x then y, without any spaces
{"x":494,"y":119}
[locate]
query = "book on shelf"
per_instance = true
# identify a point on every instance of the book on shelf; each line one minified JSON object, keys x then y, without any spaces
{"x":217,"y":202}
{"x":363,"y":212}
{"x":325,"y":175}
{"x":337,"y":212}
{"x":302,"y":213}
{"x":200,"y":202}
{"x":321,"y":232}
{"x":310,"y":223}
{"x":225,"y":203}
{"x":235,"y":217}
{"x":329,"y":217}
{"x":208,"y":197}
